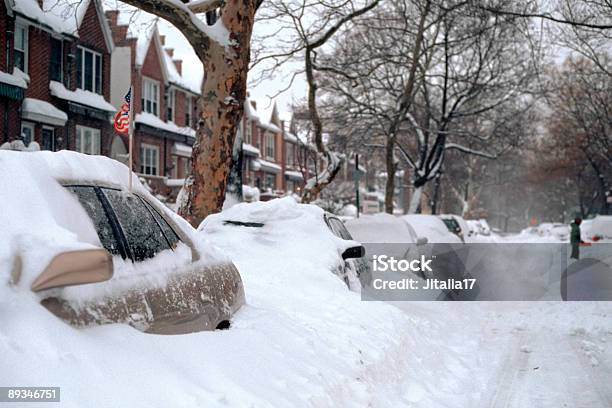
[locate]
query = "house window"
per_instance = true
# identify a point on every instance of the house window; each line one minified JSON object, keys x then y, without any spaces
{"x":21,"y":47}
{"x":270,"y":181}
{"x":48,"y":138}
{"x":186,"y":167}
{"x":188,"y":110}
{"x":88,"y":140}
{"x":149,"y":159}
{"x":89,"y":70}
{"x":27,"y":132}
{"x":56,"y":64}
{"x":290,"y":186}
{"x":170,"y":102}
{"x":290,"y":156}
{"x":269,"y":145}
{"x":150,"y":96}
{"x":249,"y":132}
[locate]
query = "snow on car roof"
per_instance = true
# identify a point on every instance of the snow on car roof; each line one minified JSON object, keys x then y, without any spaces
{"x":380,"y":228}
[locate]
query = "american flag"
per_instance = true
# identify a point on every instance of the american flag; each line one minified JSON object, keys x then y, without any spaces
{"x":122,"y":120}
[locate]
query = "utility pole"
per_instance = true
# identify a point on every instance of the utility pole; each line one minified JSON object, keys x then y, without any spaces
{"x":357,"y":177}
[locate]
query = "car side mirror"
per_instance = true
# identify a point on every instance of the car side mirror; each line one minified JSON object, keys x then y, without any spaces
{"x":75,"y":268}
{"x":422,"y":241}
{"x":354,"y":252}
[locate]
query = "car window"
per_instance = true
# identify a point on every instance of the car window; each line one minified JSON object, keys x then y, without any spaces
{"x":143,"y":234}
{"x":171,"y":236}
{"x":339,"y":229}
{"x":89,"y":200}
{"x":451,"y":224}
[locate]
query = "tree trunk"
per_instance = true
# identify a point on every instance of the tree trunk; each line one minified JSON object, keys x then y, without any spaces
{"x":220,"y":107}
{"x":415,"y":200}
{"x":233,"y":193}
{"x":391,"y":169}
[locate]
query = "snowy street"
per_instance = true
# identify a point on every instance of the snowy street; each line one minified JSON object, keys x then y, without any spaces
{"x":306,"y":204}
{"x":512,"y":354}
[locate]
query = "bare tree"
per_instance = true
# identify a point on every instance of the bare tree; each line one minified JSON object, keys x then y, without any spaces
{"x":309,"y":25}
{"x":421,"y":87}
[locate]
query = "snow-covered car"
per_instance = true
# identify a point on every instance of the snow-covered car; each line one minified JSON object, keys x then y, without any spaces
{"x":431,"y":227}
{"x":560,"y":231}
{"x":251,"y":219}
{"x":383,"y":228}
{"x":544,"y":228}
{"x":601,"y":229}
{"x":94,"y":252}
{"x":585,"y":230}
{"x":555,"y":230}
{"x":457,"y":225}
{"x":479,"y":227}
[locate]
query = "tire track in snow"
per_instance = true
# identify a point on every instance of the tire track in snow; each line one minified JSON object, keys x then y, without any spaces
{"x":561,"y":376}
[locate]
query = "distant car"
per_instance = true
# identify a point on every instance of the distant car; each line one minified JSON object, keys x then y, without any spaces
{"x":384,"y":233}
{"x":601,"y":229}
{"x":554,"y":230}
{"x":431,"y":227}
{"x":479,"y":227}
{"x":147,"y":271}
{"x":544,"y":228}
{"x":560,"y":231}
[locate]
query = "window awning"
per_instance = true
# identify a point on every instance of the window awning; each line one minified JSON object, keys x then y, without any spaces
{"x":181,"y":149}
{"x":43,"y":112}
{"x":294,"y":175}
{"x":269,"y":166}
{"x":12,"y":86}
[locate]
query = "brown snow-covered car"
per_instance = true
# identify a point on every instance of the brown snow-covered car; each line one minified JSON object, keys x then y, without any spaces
{"x":135,"y":227}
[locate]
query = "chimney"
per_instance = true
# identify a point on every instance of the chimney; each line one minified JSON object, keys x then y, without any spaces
{"x":119,"y":33}
{"x":170,"y":52}
{"x":179,"y":66}
{"x":112,"y":16}
{"x":162,"y":39}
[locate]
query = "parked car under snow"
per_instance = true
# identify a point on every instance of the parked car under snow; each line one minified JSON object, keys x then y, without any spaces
{"x":307,"y":225}
{"x":95,"y":253}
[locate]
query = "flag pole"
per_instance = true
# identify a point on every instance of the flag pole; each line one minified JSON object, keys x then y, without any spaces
{"x":131,"y":137}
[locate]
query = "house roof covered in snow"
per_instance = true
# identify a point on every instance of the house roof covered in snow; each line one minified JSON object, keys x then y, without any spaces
{"x":65,"y":16}
{"x":148,"y":30}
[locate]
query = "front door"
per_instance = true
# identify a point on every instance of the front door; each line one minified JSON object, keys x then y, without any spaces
{"x":48,"y":139}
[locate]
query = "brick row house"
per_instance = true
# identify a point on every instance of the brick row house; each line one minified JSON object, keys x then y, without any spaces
{"x":164,"y":103}
{"x":275,"y":159}
{"x":55,"y":77}
{"x":68,"y":66}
